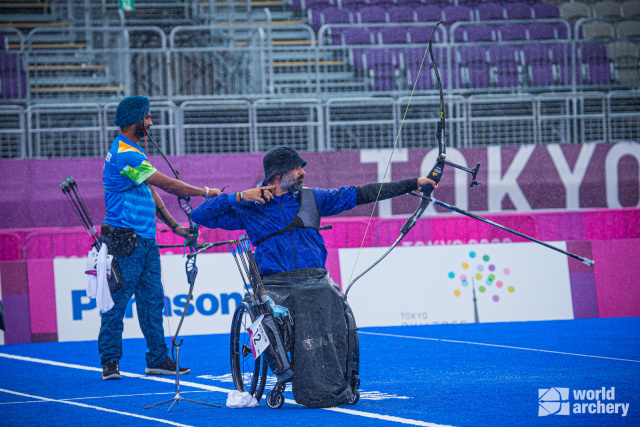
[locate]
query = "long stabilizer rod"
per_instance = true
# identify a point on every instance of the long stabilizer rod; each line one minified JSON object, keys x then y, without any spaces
{"x":587,"y":261}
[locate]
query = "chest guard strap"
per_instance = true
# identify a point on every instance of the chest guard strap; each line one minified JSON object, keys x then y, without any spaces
{"x":308,"y":216}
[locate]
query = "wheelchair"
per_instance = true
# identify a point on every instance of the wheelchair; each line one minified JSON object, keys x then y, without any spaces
{"x":250,"y":374}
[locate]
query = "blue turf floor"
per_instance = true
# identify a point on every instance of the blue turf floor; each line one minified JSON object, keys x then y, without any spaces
{"x":464,"y":375}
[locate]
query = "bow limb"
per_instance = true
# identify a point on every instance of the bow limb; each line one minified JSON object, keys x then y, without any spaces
{"x":441,"y":133}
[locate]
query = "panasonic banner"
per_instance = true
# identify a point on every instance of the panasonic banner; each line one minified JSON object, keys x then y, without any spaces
{"x":458,"y":284}
{"x":218,"y":289}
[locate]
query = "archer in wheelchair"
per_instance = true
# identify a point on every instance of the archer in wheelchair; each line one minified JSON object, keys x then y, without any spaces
{"x":310,"y":328}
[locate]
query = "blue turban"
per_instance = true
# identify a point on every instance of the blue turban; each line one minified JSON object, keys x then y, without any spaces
{"x":131,"y":110}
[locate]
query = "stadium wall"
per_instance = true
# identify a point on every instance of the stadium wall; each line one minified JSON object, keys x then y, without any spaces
{"x":514,"y":178}
{"x":585,"y":197}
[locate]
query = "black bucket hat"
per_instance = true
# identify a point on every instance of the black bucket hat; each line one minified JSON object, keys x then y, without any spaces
{"x":281,"y":159}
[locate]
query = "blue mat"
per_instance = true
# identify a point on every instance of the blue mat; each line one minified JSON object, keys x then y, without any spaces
{"x":464,"y":375}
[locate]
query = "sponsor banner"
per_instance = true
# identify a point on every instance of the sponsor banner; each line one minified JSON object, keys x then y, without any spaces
{"x":458,"y":284}
{"x":218,"y":289}
{"x":516,"y":178}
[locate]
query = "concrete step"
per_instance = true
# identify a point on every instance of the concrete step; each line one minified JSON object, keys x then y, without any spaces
{"x":64,"y":81}
{"x":305,"y":77}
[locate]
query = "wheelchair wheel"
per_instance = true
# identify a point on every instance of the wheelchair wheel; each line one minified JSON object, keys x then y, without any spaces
{"x":353,"y":356}
{"x":356,"y":397}
{"x":248,"y":374}
{"x":275,"y":399}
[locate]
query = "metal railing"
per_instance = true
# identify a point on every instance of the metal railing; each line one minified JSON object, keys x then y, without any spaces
{"x":238,"y":126}
{"x":216,"y":127}
{"x":13,"y":137}
{"x":623,"y":117}
{"x":65,"y":130}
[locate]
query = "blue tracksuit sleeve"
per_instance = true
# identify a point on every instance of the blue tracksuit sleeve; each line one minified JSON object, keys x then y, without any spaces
{"x":334,"y":201}
{"x":218,"y":213}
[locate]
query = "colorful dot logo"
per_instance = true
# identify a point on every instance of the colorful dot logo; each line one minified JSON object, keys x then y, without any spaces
{"x":494,"y":283}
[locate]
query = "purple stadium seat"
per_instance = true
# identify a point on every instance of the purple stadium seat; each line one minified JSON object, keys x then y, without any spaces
{"x":13,"y":86}
{"x":593,"y":51}
{"x":474,"y":33}
{"x":518,"y":10}
{"x":11,"y":63}
{"x":381,"y":58}
{"x":542,"y":32}
{"x":330,"y":15}
{"x":513,"y":32}
{"x":561,"y":58}
{"x":13,"y":76}
{"x":353,"y":4}
{"x":316,"y":4}
{"x":422,"y":34}
{"x":431,"y":13}
{"x":315,"y":18}
{"x":426,"y":80}
{"x":456,"y":14}
{"x":473,"y":68}
{"x":410,"y":2}
{"x":355,"y":36}
{"x":356,"y":57}
{"x":335,"y":35}
{"x":595,"y":67}
{"x":401,"y":14}
{"x":468,"y":54}
{"x":489,"y":12}
{"x":393,"y":35}
{"x":546,"y":11}
{"x":412,"y":56}
{"x":3,"y":44}
{"x":560,"y":53}
{"x":382,"y":65}
{"x":383,"y":3}
{"x":506,"y":60}
{"x":562,"y":32}
{"x":537,"y":60}
{"x":372,"y":14}
{"x":536,"y":53}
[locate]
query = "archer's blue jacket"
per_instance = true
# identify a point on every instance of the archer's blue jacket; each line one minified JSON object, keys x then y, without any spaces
{"x":299,"y":248}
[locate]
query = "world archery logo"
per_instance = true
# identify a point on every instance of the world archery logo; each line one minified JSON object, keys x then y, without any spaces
{"x":553,"y":401}
{"x":493,"y":279}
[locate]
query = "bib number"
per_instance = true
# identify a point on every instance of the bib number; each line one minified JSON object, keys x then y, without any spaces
{"x":258,"y":337}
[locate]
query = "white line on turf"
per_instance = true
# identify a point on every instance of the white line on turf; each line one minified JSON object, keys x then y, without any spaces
{"x":497,"y":345}
{"x":212,"y":388}
{"x":83,"y":405}
{"x":109,"y":396}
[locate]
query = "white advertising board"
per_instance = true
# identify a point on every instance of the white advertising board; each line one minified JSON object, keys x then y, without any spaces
{"x":434,"y":284}
{"x":217,"y":290}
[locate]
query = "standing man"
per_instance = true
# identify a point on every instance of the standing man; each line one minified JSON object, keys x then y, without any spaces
{"x":129,"y":230}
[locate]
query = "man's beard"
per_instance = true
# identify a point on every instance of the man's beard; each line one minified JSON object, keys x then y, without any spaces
{"x":291,"y":185}
{"x":139,"y":129}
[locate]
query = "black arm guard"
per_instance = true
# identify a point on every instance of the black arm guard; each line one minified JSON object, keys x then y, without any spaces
{"x":369,"y":193}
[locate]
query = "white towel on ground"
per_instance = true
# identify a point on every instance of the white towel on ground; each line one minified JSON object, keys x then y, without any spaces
{"x":98,"y":286}
{"x":237,"y":399}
